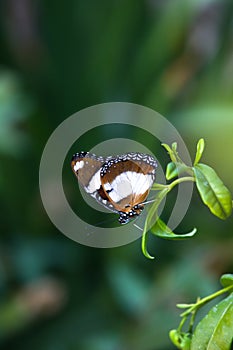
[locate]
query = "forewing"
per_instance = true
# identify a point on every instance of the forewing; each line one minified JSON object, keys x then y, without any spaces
{"x":86,"y":167}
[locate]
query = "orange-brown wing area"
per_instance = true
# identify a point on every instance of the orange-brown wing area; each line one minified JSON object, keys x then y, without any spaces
{"x":127,"y":204}
{"x":118,"y":168}
{"x":145,"y":168}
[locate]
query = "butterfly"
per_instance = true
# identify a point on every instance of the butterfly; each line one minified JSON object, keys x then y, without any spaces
{"x":120,"y":183}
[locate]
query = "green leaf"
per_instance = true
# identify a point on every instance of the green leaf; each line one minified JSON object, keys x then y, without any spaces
{"x":172,"y":152}
{"x":199,"y":152}
{"x":215,"y":329}
{"x":212,"y":191}
{"x":226,"y":280}
{"x":160,"y":229}
{"x":171,"y":171}
{"x":175,"y":169}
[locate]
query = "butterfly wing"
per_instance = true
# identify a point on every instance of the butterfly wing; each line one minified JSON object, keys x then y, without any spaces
{"x":127,"y":179}
{"x":145,"y":178}
{"x":86,"y":167}
{"x":120,"y":183}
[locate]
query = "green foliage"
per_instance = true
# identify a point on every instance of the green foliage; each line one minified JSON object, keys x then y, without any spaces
{"x":199,"y":151}
{"x":214,"y":331}
{"x":211,"y":189}
{"x":160,"y":229}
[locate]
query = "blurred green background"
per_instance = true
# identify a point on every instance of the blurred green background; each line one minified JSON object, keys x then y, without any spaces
{"x":58,"y":57}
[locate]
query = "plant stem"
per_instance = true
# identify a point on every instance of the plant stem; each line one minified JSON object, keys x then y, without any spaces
{"x":206,"y":300}
{"x":173,"y":184}
{"x":180,"y":180}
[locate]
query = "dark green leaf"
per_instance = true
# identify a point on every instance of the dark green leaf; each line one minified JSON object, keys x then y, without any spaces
{"x":212,"y":191}
{"x":215,"y":329}
{"x":160,"y":229}
{"x":227,"y":280}
{"x":199,"y":152}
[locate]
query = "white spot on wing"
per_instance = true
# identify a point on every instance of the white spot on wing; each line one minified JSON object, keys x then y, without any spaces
{"x":79,"y":165}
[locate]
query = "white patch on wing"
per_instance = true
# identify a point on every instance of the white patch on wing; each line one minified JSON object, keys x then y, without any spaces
{"x":79,"y":165}
{"x":140,"y":182}
{"x":129,"y":183}
{"x":94,"y":183}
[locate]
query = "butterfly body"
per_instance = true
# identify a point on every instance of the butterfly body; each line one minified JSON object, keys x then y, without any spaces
{"x":120,"y":183}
